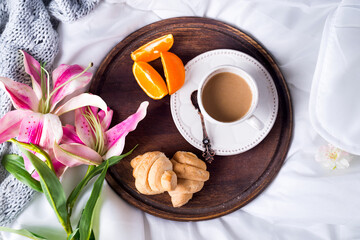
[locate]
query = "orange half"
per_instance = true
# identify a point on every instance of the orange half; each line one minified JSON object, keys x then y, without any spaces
{"x":149,"y":80}
{"x":174,"y":71}
{"x":151,"y":50}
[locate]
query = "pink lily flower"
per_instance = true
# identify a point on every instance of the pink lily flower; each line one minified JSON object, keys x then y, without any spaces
{"x":37,"y":109}
{"x":91,"y":141}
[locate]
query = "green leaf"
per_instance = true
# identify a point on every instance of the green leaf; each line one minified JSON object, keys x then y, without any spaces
{"x":95,"y":171}
{"x":86,"y":219}
{"x":23,"y":232}
{"x":74,"y":236}
{"x":14,"y":164}
{"x":92,"y":236}
{"x":52,"y":189}
{"x":37,"y":149}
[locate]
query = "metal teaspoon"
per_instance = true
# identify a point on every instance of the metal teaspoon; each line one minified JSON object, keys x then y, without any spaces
{"x":208,"y":153}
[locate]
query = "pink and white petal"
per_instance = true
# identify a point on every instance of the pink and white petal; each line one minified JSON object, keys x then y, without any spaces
{"x":52,"y":129}
{"x":22,"y":96}
{"x":105,"y":118}
{"x":119,"y":132}
{"x":10,"y":124}
{"x":31,"y":128}
{"x":58,"y":166}
{"x":83,"y":128}
{"x":116,"y":149}
{"x":33,"y":68}
{"x":41,"y":129}
{"x":70,"y":135}
{"x":63,"y":74}
{"x":75,"y":154}
{"x":29,"y":167}
{"x":82,"y":100}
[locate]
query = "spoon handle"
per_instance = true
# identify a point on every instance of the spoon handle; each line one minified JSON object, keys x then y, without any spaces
{"x":208,"y":153}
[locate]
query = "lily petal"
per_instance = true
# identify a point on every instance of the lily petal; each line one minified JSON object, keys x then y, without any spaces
{"x":105,"y":118}
{"x":29,"y":167}
{"x":31,"y":128}
{"x":58,"y":166}
{"x":33,"y":68}
{"x":41,"y":129}
{"x":70,"y":135}
{"x":75,"y":154}
{"x":63,"y":74}
{"x":10,"y":124}
{"x":116,"y":149}
{"x":21,"y":95}
{"x":82,"y":100}
{"x":83,"y":129}
{"x":119,"y":132}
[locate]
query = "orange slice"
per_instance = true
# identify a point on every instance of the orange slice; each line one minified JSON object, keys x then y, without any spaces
{"x":174,"y":71}
{"x":151,"y":50}
{"x":149,"y":80}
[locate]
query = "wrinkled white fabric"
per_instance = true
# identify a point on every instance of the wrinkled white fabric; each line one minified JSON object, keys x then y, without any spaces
{"x":334,"y":109}
{"x":305,"y":201}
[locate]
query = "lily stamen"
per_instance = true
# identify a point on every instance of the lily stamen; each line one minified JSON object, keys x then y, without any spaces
{"x":70,"y":80}
{"x":96,"y":128}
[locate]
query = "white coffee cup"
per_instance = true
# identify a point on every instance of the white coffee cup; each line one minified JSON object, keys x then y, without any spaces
{"x":249,"y":116}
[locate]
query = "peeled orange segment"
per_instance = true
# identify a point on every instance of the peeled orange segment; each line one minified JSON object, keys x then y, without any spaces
{"x":151,"y":50}
{"x":149,"y":80}
{"x":174,"y":71}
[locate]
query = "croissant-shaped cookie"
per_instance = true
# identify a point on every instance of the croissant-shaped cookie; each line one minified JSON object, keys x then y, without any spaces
{"x":191,"y":173}
{"x":153,"y":173}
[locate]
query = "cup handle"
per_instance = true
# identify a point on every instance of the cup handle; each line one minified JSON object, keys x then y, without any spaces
{"x":255,"y":122}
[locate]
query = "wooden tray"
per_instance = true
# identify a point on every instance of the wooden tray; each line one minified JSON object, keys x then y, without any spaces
{"x":234,"y":180}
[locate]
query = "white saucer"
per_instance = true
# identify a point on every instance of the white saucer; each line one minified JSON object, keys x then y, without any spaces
{"x":225,"y":140}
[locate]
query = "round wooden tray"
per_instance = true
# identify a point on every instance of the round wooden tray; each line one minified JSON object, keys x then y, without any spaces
{"x":234,"y":180}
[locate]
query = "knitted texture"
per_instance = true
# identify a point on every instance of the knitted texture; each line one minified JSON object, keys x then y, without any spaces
{"x":28,"y":25}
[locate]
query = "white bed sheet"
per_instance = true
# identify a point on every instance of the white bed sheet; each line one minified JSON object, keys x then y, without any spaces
{"x":305,"y":201}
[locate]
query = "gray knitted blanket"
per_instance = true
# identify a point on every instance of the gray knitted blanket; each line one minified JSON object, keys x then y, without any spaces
{"x":29,"y":25}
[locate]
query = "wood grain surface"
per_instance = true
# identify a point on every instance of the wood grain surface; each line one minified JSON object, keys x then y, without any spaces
{"x":234,"y":180}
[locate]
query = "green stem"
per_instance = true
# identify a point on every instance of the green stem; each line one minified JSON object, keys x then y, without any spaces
{"x":43,"y":83}
{"x":71,"y":204}
{"x":68,"y":228}
{"x":32,"y":147}
{"x":90,"y":168}
{"x":47,"y":106}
